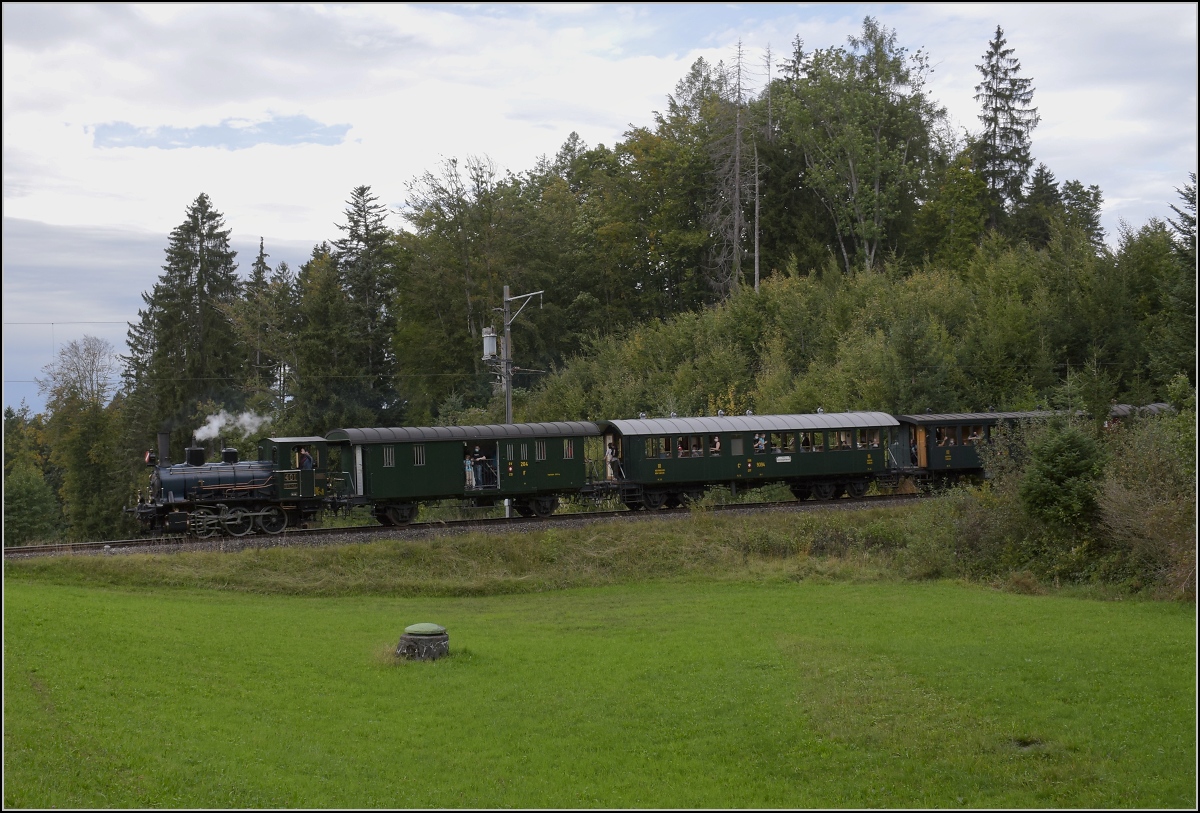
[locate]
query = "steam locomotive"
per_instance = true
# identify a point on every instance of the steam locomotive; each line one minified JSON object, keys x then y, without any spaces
{"x":645,"y":463}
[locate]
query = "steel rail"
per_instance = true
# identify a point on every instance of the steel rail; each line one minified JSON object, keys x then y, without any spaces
{"x":457,"y":525}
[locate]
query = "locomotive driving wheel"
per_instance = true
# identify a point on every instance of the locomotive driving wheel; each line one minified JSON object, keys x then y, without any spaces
{"x":272,"y":520}
{"x":204,"y":522}
{"x":238,"y":522}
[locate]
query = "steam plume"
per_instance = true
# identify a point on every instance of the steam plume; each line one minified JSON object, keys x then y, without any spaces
{"x":248,"y":423}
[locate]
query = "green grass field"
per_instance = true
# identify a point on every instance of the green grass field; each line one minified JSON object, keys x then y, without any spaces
{"x":761,"y":691}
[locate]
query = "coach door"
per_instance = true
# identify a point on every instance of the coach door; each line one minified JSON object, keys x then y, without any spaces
{"x":922,"y":448}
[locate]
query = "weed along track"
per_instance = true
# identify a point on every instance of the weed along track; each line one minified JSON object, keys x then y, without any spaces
{"x":429,"y":530}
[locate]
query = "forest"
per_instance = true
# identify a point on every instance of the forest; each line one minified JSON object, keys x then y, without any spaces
{"x":824,"y":240}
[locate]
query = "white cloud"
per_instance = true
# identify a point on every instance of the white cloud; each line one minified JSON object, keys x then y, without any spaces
{"x":1116,"y":85}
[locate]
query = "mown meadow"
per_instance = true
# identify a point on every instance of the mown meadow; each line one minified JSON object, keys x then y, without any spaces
{"x":780,"y":661}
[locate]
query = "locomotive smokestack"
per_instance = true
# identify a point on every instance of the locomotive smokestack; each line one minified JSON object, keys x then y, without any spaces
{"x":164,"y":448}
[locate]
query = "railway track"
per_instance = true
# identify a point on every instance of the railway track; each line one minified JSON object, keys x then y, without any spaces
{"x":309,"y":536}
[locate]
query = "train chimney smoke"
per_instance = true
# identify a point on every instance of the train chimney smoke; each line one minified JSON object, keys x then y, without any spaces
{"x":247,"y":423}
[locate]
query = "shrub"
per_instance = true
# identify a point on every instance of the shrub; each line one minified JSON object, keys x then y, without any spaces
{"x":1060,"y":483}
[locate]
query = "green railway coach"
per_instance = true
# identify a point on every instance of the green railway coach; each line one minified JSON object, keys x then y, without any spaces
{"x":946,"y":446}
{"x":394,"y":470}
{"x":669,"y":461}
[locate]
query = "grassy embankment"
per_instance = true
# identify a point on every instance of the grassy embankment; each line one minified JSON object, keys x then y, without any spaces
{"x":711,"y":662}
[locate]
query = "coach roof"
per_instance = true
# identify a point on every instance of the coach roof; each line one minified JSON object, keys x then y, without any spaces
{"x":976,"y":417}
{"x":493,"y":431}
{"x":752,"y":423}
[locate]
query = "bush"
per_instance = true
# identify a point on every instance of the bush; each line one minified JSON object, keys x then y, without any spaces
{"x":1060,"y":482}
{"x":31,"y":513}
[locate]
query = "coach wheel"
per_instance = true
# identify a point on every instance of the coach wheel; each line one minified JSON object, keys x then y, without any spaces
{"x":400,"y":514}
{"x":272,"y":520}
{"x":801,"y":491}
{"x":204,"y":522}
{"x":544,"y":506}
{"x":238,"y":522}
{"x":857,"y":489}
{"x":654,"y":499}
{"x":824,"y":491}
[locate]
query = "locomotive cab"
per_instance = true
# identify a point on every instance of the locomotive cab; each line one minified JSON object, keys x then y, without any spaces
{"x":295,"y":480}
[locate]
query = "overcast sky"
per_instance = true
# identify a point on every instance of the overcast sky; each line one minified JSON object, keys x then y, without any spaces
{"x":116,"y":117}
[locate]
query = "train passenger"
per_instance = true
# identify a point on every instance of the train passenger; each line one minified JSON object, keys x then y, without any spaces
{"x":305,"y":459}
{"x":715,"y":448}
{"x":478,"y":459}
{"x":680,"y":449}
{"x":610,"y":461}
{"x":469,"y":469}
{"x":760,"y":444}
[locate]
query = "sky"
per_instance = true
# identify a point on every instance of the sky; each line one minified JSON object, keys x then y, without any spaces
{"x":116,"y":117}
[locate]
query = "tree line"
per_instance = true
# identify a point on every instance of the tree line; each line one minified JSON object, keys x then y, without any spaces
{"x":824,"y":239}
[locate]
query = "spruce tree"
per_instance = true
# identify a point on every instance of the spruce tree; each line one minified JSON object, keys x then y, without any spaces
{"x":367,"y":276}
{"x":1008,"y":119}
{"x":1042,"y":202}
{"x":328,"y":391}
{"x":184,"y":348}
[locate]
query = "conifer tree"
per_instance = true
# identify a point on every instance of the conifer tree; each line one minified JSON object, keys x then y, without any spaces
{"x":184,"y":348}
{"x":366,"y":273}
{"x":328,"y":389}
{"x":1041,"y":204}
{"x":1008,"y":119}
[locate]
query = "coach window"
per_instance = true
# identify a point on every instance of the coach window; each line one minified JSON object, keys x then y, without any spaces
{"x":389,"y":457}
{"x":841,"y":440}
{"x":789,"y":443}
{"x":539,"y":449}
{"x":775,"y":443}
{"x":973,"y":435}
{"x":682,"y":448}
{"x":812,"y":442}
{"x":736,"y":446}
{"x":568,"y":449}
{"x":714,"y":446}
{"x":947,"y":436}
{"x":418,"y":454}
{"x":697,"y":446}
